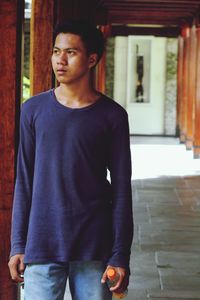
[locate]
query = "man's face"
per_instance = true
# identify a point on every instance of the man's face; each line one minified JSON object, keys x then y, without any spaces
{"x":70,"y":60}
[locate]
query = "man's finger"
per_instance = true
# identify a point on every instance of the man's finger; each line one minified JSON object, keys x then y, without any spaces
{"x":16,"y":266}
{"x":123,"y":285}
{"x":104,"y":277}
{"x":17,"y":279}
{"x":118,"y":284}
{"x":15,"y":276}
{"x":21,"y":267}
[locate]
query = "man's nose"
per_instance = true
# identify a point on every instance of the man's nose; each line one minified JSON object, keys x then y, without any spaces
{"x":62,"y":59}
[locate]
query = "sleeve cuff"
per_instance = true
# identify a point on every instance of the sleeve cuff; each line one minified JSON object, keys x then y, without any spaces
{"x":119,"y":260}
{"x":15,"y":251}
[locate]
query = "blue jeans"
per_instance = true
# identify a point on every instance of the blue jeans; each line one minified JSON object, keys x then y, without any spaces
{"x":48,"y":281}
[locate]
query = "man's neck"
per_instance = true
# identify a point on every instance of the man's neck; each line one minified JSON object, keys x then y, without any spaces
{"x":73,"y":97}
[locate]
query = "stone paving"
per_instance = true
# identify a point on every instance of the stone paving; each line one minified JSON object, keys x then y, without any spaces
{"x":166,"y":250}
{"x":165,"y":258}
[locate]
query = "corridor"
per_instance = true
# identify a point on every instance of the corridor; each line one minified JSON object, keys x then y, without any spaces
{"x":166,"y":193}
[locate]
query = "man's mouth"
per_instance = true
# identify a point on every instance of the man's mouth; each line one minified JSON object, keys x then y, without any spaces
{"x":61,"y":71}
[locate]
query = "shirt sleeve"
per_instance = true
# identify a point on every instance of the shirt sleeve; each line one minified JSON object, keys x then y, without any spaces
{"x":23,"y":186}
{"x":120,"y":173}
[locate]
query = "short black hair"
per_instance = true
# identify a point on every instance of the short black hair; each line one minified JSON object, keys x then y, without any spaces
{"x":92,"y":37}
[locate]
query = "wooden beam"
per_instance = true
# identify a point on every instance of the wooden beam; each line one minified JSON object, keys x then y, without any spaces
{"x":149,"y":13}
{"x":196,"y":149}
{"x":138,"y":5}
{"x":11,"y":19}
{"x":163,"y":10}
{"x":42,"y":20}
{"x":129,"y":18}
{"x":156,"y":31}
{"x":191,"y":89}
{"x":181,"y":12}
{"x":161,"y":2}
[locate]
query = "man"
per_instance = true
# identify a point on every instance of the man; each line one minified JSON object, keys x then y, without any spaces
{"x":68,"y":220}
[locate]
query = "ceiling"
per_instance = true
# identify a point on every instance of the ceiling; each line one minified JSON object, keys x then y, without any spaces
{"x":165,"y":13}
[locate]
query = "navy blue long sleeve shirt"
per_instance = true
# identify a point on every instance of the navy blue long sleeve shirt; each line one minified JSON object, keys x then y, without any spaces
{"x":64,"y":207}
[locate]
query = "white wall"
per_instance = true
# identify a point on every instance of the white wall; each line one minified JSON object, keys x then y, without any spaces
{"x":144,"y":118}
{"x":148,"y":118}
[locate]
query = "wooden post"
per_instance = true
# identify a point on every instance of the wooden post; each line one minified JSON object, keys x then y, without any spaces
{"x":101,"y":67}
{"x":100,"y":80}
{"x":183,"y":113}
{"x":179,"y":84}
{"x":41,"y":37}
{"x":196,"y":149}
{"x":11,"y":20}
{"x":191,"y":88}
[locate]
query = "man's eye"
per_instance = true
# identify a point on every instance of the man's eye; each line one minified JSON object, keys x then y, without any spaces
{"x":71,"y":52}
{"x":55,"y":51}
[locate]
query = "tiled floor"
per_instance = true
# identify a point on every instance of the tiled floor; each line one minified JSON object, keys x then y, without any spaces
{"x":166,"y":192}
{"x":165,"y":259}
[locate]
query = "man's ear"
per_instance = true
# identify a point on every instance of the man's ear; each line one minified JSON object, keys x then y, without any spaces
{"x":93,"y":58}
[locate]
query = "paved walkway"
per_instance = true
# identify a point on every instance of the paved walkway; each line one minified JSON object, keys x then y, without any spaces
{"x":166,"y":250}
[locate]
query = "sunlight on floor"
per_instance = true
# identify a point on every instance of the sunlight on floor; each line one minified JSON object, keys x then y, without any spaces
{"x":155,"y":157}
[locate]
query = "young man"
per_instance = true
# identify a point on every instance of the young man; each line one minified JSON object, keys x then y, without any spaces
{"x":68,"y":220}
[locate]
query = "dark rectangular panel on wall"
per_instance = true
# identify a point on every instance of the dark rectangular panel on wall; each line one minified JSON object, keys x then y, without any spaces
{"x":42,"y":21}
{"x":11,"y":18}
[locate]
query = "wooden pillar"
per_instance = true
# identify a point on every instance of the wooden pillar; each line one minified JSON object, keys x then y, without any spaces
{"x":101,"y":67}
{"x":100,"y":80}
{"x":191,"y":89}
{"x":183,"y":113}
{"x":42,"y":21}
{"x":179,"y":84}
{"x":196,"y":149}
{"x":11,"y":19}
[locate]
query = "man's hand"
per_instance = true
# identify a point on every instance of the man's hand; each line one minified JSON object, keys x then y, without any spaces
{"x":122,"y":282}
{"x":16,"y":266}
